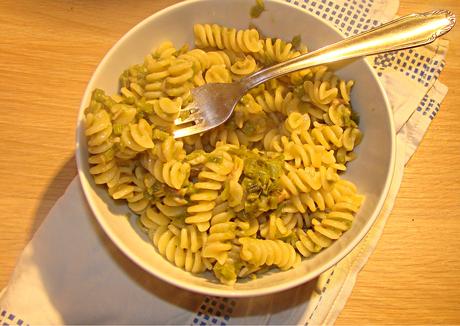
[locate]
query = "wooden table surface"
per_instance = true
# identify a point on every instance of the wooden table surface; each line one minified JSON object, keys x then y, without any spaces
{"x":48,"y":51}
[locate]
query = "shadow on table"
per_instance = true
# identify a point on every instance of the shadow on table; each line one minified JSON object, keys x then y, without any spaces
{"x":52,"y":193}
{"x":88,"y":280}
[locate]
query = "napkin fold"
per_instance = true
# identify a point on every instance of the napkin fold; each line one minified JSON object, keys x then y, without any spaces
{"x":71,"y":273}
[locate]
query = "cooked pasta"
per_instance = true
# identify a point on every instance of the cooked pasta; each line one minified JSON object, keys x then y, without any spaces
{"x":215,"y":36}
{"x":259,"y":192}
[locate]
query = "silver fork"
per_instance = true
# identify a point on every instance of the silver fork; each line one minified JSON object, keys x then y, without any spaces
{"x":214,"y":103}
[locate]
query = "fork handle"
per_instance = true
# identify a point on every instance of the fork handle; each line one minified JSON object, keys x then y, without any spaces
{"x":402,"y":33}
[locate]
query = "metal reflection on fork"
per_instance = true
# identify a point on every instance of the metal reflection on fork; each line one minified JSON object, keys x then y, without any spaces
{"x":214,"y":103}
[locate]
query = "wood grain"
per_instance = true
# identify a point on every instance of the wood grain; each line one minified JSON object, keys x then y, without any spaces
{"x":50,"y":48}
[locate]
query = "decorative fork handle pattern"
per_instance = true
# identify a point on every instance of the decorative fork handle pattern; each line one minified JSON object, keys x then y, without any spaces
{"x":405,"y":32}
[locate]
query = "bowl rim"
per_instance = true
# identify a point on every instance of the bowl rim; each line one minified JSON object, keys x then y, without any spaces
{"x":231,"y":292}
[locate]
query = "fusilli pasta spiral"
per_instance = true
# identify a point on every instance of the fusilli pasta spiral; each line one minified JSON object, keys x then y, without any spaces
{"x":215,"y":36}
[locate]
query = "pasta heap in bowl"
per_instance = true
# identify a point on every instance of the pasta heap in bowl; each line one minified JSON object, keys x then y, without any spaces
{"x":259,"y":192}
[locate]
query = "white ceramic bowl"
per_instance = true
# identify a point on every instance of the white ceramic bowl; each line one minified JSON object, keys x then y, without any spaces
{"x":371,"y":172}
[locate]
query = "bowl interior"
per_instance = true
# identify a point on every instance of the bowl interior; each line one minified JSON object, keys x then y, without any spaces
{"x":371,"y":171}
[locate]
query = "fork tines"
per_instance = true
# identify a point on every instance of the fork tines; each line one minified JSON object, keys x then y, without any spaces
{"x":194,"y":116}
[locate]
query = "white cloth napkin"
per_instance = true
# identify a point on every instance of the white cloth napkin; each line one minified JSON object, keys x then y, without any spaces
{"x":71,"y":273}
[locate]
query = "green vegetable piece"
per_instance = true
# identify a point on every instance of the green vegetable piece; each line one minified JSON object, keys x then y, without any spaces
{"x":252,"y":187}
{"x":340,"y":157}
{"x":118,"y":129}
{"x":257,"y":9}
{"x":98,"y":95}
{"x":182,"y":50}
{"x":195,"y":68}
{"x":254,"y":127}
{"x":292,"y":238}
{"x":347,"y":120}
{"x":260,"y":183}
{"x":144,"y":107}
{"x":148,"y":196}
{"x":156,"y":190}
{"x":274,"y":188}
{"x":296,"y":41}
{"x":275,"y":168}
{"x":226,"y":273}
{"x":100,"y":100}
{"x":249,"y":128}
{"x":140,"y":115}
{"x":190,"y":190}
{"x":231,"y":124}
{"x":158,"y":134}
{"x":109,"y":155}
{"x":355,"y":117}
{"x":134,"y":74}
{"x":124,"y":79}
{"x":257,"y":167}
{"x":299,"y":91}
{"x":215,"y":159}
